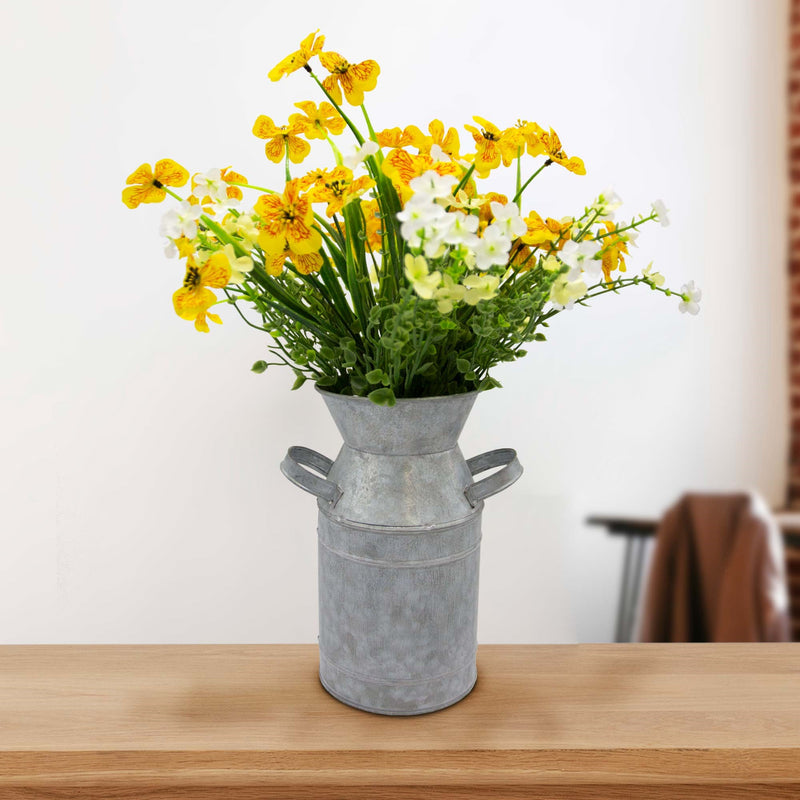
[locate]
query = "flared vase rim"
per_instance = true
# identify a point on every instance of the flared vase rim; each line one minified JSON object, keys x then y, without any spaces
{"x":400,"y":400}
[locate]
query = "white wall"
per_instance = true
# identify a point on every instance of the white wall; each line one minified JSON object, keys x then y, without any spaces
{"x":140,"y":496}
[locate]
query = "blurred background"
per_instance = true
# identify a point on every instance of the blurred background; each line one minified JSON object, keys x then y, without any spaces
{"x":140,"y":496}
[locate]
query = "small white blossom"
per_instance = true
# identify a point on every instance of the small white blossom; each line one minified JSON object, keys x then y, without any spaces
{"x":369,"y":148}
{"x":181,"y":221}
{"x":608,"y":201}
{"x":580,"y":256}
{"x":690,"y":295}
{"x":507,"y":216}
{"x":210,"y":184}
{"x":661,"y":212}
{"x":433,"y":186}
{"x":492,"y":248}
{"x":656,"y":278}
{"x":463,"y":230}
{"x":565,"y":292}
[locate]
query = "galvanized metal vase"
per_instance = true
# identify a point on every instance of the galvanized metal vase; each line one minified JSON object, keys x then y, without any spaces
{"x":399,"y":550}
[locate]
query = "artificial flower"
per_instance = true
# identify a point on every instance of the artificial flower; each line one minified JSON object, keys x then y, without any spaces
{"x":309,"y":48}
{"x":281,"y":139}
{"x":424,"y":282}
{"x":613,"y":252}
{"x":537,"y":231}
{"x":552,"y":148}
{"x":487,"y":143}
{"x":690,"y":297}
{"x":316,"y":122}
{"x":231,"y":177}
{"x":492,"y":248}
{"x":287,"y":218}
{"x":661,"y":211}
{"x":148,"y":185}
{"x":194,"y":298}
{"x":565,"y":292}
{"x":352,"y":79}
{"x":181,"y":222}
{"x":338,"y":188}
{"x":304,"y":263}
{"x":480,"y":287}
{"x":448,"y":294}
{"x":654,"y":278}
{"x":361,"y":154}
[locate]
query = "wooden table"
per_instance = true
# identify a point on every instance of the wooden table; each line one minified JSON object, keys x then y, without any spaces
{"x":559,"y":722}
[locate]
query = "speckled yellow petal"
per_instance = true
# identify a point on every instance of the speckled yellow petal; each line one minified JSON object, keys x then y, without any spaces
{"x":265,"y":128}
{"x":331,"y":86}
{"x":216,"y":272}
{"x":142,"y":174}
{"x":132,"y":196}
{"x":273,"y":264}
{"x":170,"y":173}
{"x":298,"y":149}
{"x":307,"y":263}
{"x":275,"y":148}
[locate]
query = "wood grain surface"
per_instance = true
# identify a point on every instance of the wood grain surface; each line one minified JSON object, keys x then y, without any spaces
{"x":561,"y":721}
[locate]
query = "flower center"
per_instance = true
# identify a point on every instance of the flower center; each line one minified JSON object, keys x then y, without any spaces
{"x":192,"y":279}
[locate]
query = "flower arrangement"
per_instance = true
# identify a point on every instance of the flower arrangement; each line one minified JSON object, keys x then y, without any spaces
{"x":390,"y":274}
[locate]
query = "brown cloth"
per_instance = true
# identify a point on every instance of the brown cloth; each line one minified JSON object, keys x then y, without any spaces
{"x":717,"y":573}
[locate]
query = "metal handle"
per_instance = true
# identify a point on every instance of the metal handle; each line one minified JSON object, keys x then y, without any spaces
{"x":504,"y":457}
{"x":292,"y":468}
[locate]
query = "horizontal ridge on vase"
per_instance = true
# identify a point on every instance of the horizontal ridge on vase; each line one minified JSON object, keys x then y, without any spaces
{"x":399,"y":550}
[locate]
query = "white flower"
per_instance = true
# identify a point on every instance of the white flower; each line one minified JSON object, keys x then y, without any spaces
{"x":210,"y":184}
{"x":369,"y":148}
{"x":416,"y":221}
{"x":690,"y":296}
{"x":508,"y":217}
{"x":565,"y":292}
{"x":433,"y":186}
{"x":181,"y":221}
{"x":656,"y":278}
{"x":660,"y":210}
{"x":581,"y":256}
{"x":608,"y":201}
{"x":492,"y":248}
{"x":462,"y":230}
{"x":480,"y":287}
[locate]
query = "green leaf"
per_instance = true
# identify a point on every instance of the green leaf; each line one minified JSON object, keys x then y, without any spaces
{"x":326,"y":380}
{"x":539,"y":337}
{"x":350,"y":357}
{"x":299,"y":381}
{"x":259,"y":367}
{"x":327,"y":353}
{"x":375,"y":376}
{"x":446,"y":324}
{"x":358,"y":384}
{"x":382,"y":397}
{"x":462,"y":365}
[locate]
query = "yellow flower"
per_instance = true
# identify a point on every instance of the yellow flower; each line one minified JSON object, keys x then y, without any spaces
{"x":551,"y":145}
{"x":374,"y":226}
{"x":538,"y":231}
{"x":448,"y":142}
{"x":613,"y":252}
{"x":487,"y":143}
{"x":149,"y":184}
{"x":337,"y":188}
{"x":305,"y":263}
{"x":315,"y":122}
{"x":401,"y":167}
{"x":309,"y":48}
{"x":279,"y":140}
{"x":227,"y":175}
{"x":193,"y":299}
{"x":352,"y":79}
{"x":395,"y":137}
{"x":287,"y":219}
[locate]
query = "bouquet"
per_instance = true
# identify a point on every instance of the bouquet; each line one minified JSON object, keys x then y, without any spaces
{"x":388,"y":272}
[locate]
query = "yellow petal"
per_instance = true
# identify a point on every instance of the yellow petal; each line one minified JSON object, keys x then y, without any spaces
{"x":302,"y":238}
{"x":273,"y":264}
{"x":274,"y":149}
{"x":332,"y":88}
{"x":132,"y":196}
{"x":298,"y":149}
{"x":332,"y":61}
{"x":216,"y":271}
{"x":307,"y":263}
{"x":189,"y":302}
{"x":170,"y":173}
{"x":265,"y":128}
{"x":142,"y":174}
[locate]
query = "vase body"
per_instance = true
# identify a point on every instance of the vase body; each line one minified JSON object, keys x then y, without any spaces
{"x":399,"y":550}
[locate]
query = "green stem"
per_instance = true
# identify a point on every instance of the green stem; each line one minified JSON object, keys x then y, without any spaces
{"x":527,"y":182}
{"x":369,"y":124}
{"x":634,"y":224}
{"x":356,"y":132}
{"x":286,"y":165}
{"x":257,"y":188}
{"x":519,"y":179}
